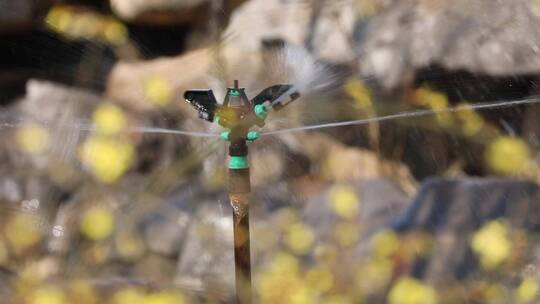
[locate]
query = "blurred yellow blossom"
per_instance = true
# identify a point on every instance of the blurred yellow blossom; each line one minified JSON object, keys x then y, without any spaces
{"x":157,"y":90}
{"x":326,"y":254}
{"x":97,"y":223}
{"x":3,"y":253}
{"x":495,"y":293}
{"x":471,"y":121}
{"x":83,"y":291}
{"x":491,"y":243}
{"x":129,"y":295}
{"x":344,"y":202}
{"x":300,"y":238}
{"x":96,"y":254}
{"x":22,"y":232}
{"x":286,"y":217}
{"x":339,"y":299}
{"x":84,"y":25}
{"x":319,"y":279}
{"x":32,"y":139}
{"x":109,"y":119}
{"x":346,"y":233}
{"x":284,"y":263}
{"x":358,"y":91}
{"x":411,"y":291}
{"x":527,"y":291}
{"x":374,"y":274}
{"x":284,"y":287}
{"x":427,"y":97}
{"x":164,"y":297}
{"x":129,"y":245}
{"x":107,"y":158}
{"x":114,"y":31}
{"x":59,"y":18}
{"x":75,"y":23}
{"x":507,"y":155}
{"x":536,"y":8}
{"x":436,"y":101}
{"x":385,"y":243}
{"x":48,"y":295}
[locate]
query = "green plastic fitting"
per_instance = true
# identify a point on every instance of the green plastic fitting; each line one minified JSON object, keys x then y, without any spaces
{"x":225,"y":135}
{"x":253,"y":135}
{"x":261,"y":111}
{"x":238,"y":162}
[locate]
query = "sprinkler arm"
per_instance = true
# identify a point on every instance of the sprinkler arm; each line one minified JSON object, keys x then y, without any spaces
{"x":279,"y":96}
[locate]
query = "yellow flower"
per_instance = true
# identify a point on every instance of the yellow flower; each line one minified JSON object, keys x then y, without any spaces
{"x":129,"y":295}
{"x":164,"y":297}
{"x":385,"y":243}
{"x":285,"y":218}
{"x":300,"y":238}
{"x":357,"y":90}
{"x":344,"y":202}
{"x":22,"y":232}
{"x":319,"y":279}
{"x":158,"y":90}
{"x":3,"y":253}
{"x":429,"y":98}
{"x":109,"y":119}
{"x":129,"y":246}
{"x":436,"y":101}
{"x":284,"y":263}
{"x":115,"y":32}
{"x":83,"y":291}
{"x":281,"y":282}
{"x":374,"y":274}
{"x":59,"y":19}
{"x":32,"y":139}
{"x":347,"y":233}
{"x":508,"y":155}
{"x":326,"y":254}
{"x":472,"y":122}
{"x":108,"y":159}
{"x":48,"y":295}
{"x":527,"y":291}
{"x":339,"y":299}
{"x":411,"y":291}
{"x":97,"y":223}
{"x":491,"y":244}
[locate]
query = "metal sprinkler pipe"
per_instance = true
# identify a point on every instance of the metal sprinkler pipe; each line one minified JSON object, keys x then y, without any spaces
{"x":238,"y":115}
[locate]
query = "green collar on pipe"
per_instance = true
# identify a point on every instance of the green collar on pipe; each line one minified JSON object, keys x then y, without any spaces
{"x":238,"y":162}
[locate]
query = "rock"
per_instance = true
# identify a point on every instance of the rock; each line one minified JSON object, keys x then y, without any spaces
{"x":60,"y":112}
{"x":166,"y":227}
{"x":491,"y":37}
{"x":167,"y":12}
{"x":130,"y":10}
{"x":379,"y":201}
{"x":207,"y":258}
{"x":452,"y":210}
{"x":322,"y":26}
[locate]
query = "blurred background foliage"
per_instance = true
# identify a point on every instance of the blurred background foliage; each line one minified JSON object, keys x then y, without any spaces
{"x":102,"y":200}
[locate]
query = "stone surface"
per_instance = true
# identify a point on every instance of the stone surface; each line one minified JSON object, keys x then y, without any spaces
{"x":451,"y":210}
{"x":129,"y":10}
{"x":492,"y":37}
{"x":322,"y":26}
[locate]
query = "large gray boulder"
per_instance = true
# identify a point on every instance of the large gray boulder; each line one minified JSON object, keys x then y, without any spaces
{"x":485,"y":36}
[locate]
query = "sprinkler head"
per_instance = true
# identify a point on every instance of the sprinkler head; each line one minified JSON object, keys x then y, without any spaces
{"x":237,"y":112}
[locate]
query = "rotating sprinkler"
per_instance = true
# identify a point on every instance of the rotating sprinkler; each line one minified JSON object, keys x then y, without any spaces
{"x":238,"y":115}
